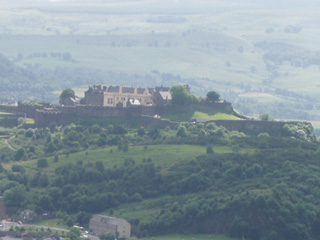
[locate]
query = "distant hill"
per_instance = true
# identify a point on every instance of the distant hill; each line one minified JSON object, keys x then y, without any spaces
{"x":17,"y":83}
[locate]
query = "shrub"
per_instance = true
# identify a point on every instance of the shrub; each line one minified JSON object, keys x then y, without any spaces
{"x":209,"y":149}
{"x":29,"y":133}
{"x":42,"y":163}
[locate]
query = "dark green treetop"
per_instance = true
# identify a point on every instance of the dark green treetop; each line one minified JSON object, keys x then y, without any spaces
{"x":213,"y":96}
{"x":68,"y":92}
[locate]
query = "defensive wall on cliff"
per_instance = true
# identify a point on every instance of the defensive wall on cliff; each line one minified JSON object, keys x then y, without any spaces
{"x":67,"y":114}
{"x":25,"y":109}
{"x":142,"y":115}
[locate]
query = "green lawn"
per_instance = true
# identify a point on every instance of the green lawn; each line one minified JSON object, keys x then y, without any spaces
{"x":188,"y":237}
{"x":164,"y":156}
{"x":30,"y":121}
{"x":208,"y":115}
{"x":5,"y":113}
{"x":52,"y":223}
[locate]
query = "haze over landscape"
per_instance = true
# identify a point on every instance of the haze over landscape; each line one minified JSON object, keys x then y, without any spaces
{"x":263,"y":56}
{"x":160,"y":119}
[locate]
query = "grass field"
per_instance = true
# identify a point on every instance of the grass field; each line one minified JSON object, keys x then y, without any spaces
{"x":30,"y":121}
{"x":5,"y":114}
{"x":52,"y":223}
{"x":208,"y":115}
{"x":164,"y":156}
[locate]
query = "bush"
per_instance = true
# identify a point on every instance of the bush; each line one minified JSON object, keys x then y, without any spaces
{"x":17,"y":168}
{"x":141,"y":131}
{"x":182,"y":131}
{"x":19,"y":154}
{"x":42,"y":163}
{"x":209,"y":149}
{"x":56,"y":158}
{"x":29,"y":133}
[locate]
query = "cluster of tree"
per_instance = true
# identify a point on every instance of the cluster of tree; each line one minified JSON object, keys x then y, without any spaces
{"x":260,"y":197}
{"x":181,"y":96}
{"x":238,"y":194}
{"x":297,"y":57}
{"x":65,"y":56}
{"x":269,"y":194}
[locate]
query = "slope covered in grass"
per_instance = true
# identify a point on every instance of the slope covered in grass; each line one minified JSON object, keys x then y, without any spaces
{"x":207,"y":115}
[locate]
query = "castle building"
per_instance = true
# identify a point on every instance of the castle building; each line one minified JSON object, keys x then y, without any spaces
{"x":120,"y":96}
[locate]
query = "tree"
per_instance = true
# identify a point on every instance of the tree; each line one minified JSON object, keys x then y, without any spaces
{"x":182,"y":131}
{"x":213,"y":96}
{"x":43,"y":180}
{"x":141,"y":131}
{"x":265,"y":117}
{"x":19,"y":154}
{"x":209,"y":149}
{"x":42,"y":163}
{"x":15,"y":197}
{"x":65,"y":94}
{"x":51,"y":148}
{"x":182,"y":96}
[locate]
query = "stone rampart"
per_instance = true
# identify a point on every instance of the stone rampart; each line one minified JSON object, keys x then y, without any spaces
{"x":29,"y":108}
{"x":202,"y":106}
{"x":145,"y":116}
{"x":101,"y":111}
{"x":44,"y":118}
{"x":8,"y":108}
{"x":253,"y":126}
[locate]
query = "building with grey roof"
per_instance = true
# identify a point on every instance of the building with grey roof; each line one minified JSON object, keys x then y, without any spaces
{"x":100,"y":224}
{"x":113,"y":96}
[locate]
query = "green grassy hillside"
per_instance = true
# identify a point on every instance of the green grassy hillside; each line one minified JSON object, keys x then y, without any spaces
{"x":196,"y":179}
{"x":207,"y":115}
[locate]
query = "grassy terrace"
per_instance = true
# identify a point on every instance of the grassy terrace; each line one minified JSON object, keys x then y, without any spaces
{"x":164,"y":156}
{"x":208,"y":115}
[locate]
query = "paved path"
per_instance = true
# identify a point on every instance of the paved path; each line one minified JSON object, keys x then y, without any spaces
{"x":6,"y":141}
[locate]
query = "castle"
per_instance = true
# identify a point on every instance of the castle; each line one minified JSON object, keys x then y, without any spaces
{"x":140,"y":106}
{"x":122,"y":96}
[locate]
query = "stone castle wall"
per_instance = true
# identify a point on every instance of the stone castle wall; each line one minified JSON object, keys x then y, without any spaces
{"x":144,"y":116}
{"x":8,"y":108}
{"x":274,"y":128}
{"x":202,"y":106}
